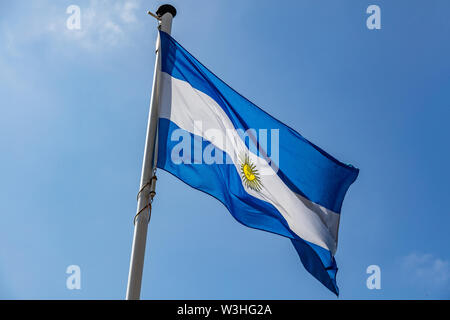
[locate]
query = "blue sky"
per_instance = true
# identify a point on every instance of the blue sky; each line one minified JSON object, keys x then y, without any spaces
{"x":74,"y":107}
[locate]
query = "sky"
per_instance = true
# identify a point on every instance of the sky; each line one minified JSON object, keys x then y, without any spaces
{"x":73,"y":116}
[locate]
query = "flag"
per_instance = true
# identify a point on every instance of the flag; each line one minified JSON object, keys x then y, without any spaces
{"x":266,"y":174}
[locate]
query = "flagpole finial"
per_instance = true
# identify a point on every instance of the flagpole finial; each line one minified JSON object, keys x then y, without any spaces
{"x":166,"y":8}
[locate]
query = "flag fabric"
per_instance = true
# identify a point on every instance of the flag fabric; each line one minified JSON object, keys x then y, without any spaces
{"x":266,"y":174}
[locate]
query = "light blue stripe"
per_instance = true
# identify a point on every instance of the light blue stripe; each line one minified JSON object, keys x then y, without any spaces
{"x":303,"y":167}
{"x":223,"y":182}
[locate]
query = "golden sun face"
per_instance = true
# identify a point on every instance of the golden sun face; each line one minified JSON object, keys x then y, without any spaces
{"x":249,"y":173}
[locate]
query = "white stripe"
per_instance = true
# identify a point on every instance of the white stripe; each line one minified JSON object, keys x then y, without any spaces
{"x":199,"y":114}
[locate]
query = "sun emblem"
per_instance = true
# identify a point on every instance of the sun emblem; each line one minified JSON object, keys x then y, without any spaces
{"x":249,"y":173}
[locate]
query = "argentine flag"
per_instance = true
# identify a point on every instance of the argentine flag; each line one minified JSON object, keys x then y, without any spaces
{"x":266,"y":174}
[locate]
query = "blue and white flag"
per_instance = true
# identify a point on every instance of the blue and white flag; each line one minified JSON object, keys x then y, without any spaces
{"x":266,"y":174}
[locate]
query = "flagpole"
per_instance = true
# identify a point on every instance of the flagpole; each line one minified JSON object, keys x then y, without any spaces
{"x":164,"y":14}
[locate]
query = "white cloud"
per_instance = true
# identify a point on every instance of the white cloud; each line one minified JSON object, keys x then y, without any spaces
{"x":128,"y":11}
{"x":104,"y":24}
{"x":432,"y":272}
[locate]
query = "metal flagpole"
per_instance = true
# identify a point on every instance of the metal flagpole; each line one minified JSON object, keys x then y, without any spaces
{"x":164,"y":14}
